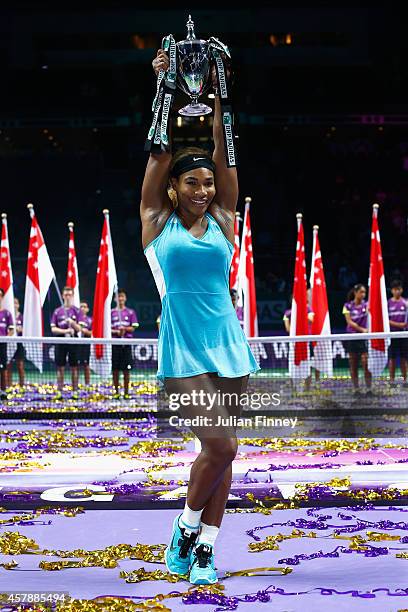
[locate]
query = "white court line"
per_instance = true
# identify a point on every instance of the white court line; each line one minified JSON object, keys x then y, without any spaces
{"x":386,"y":454}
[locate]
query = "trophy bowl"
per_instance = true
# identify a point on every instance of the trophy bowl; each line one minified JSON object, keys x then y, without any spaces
{"x":193,"y":71}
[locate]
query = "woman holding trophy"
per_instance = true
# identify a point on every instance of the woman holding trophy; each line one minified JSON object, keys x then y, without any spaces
{"x":188,"y":211}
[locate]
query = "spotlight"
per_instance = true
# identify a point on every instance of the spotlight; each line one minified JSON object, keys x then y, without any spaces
{"x":202,"y":118}
{"x":179,"y":122}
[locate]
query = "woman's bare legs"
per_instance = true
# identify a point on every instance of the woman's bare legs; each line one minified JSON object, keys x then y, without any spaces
{"x":215,"y":507}
{"x":210,"y":475}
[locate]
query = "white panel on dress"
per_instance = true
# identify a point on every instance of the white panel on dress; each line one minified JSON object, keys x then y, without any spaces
{"x":156,"y":271}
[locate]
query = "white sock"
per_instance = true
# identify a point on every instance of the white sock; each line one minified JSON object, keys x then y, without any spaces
{"x":190,"y":518}
{"x":208,"y":534}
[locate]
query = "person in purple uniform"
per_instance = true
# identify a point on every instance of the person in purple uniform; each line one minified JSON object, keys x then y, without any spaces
{"x":84,"y":350}
{"x":6,"y":329}
{"x":65,"y":322}
{"x":398,"y":315}
{"x":19,"y":355}
{"x":238,"y":309}
{"x":355,"y":312}
{"x":124,"y":322}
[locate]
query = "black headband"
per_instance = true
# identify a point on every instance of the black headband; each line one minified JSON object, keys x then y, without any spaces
{"x":191,"y":162}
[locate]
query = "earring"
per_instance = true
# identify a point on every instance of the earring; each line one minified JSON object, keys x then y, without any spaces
{"x":173,"y":197}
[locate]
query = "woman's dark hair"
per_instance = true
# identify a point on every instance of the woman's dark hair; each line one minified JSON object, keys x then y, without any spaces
{"x":397,"y":282}
{"x":184,"y":153}
{"x":352,"y":293}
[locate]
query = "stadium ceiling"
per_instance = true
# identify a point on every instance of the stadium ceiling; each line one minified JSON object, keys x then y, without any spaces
{"x":69,"y":35}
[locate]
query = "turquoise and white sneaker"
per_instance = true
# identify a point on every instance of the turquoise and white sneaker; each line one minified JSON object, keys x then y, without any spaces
{"x":202,"y":569}
{"x":178,"y":554}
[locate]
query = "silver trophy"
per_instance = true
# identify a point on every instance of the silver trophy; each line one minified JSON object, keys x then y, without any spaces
{"x":193,"y":71}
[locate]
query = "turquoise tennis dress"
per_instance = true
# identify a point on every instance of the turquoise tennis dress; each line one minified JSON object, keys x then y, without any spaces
{"x":199,"y":328}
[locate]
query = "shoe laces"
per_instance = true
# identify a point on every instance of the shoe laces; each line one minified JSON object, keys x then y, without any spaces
{"x":186,"y":541}
{"x":203,"y":554}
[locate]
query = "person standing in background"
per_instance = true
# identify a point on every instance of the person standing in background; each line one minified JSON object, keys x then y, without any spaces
{"x":6,"y":329}
{"x":355,"y":311}
{"x":398,"y":315}
{"x":238,"y":309}
{"x":19,"y":355}
{"x":124,"y":322}
{"x":65,"y":322}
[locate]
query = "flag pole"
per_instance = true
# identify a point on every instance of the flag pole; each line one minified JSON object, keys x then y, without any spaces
{"x":315,"y":232}
{"x":106,"y":214}
{"x":58,"y":290}
{"x":30,"y":207}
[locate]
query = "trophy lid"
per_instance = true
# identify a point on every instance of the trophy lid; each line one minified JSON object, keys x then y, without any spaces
{"x":191,"y":36}
{"x":190,"y":29}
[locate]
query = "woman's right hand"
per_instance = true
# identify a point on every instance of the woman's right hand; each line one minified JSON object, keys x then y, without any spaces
{"x":160,"y":62}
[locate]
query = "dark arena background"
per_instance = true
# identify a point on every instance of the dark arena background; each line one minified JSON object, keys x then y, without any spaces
{"x":92,"y":471}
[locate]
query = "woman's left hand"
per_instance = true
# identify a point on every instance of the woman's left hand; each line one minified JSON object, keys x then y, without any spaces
{"x":160,"y":62}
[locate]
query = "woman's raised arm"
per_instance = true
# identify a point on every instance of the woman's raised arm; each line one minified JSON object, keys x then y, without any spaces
{"x":226,"y":178}
{"x":155,"y":205}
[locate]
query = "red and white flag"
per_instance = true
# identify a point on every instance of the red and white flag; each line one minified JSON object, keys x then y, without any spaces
{"x":299,"y":355}
{"x":40,"y":275}
{"x":235,"y":256}
{"x":72,"y":271}
{"x":246,"y":278}
{"x":378,"y":320}
{"x":6,"y":281}
{"x":106,"y":283}
{"x":323,"y":355}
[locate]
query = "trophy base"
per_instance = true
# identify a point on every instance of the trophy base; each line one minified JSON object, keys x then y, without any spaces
{"x":194,"y":110}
